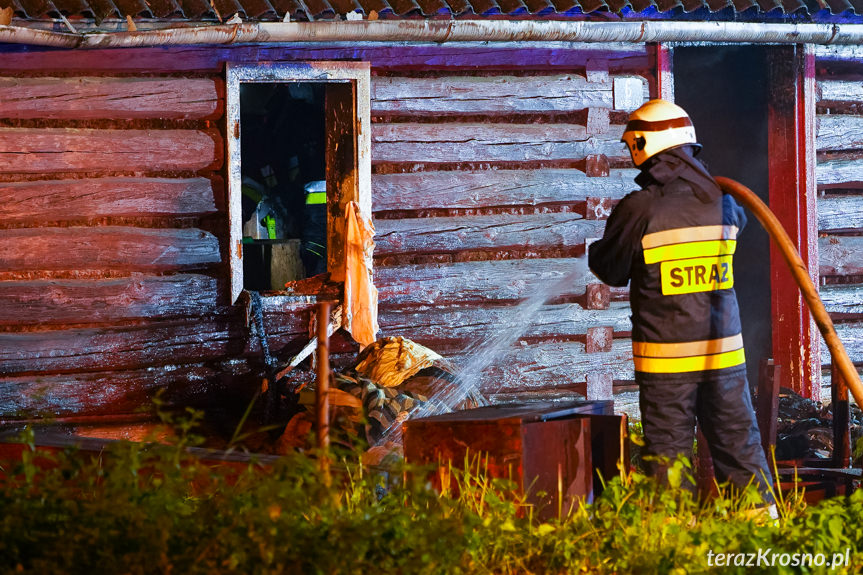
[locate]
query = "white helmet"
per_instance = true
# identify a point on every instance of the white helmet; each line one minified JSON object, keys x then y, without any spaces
{"x":657,"y":126}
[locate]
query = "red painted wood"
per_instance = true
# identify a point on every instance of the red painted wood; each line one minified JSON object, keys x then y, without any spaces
{"x":35,"y":203}
{"x":83,"y":98}
{"x":69,"y":301}
{"x":840,"y":256}
{"x":663,"y":86}
{"x":106,"y":248}
{"x":58,"y":150}
{"x":791,"y":129}
{"x":598,"y":296}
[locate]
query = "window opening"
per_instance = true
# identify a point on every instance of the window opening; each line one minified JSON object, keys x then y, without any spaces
{"x":283,"y":167}
{"x":299,"y":142}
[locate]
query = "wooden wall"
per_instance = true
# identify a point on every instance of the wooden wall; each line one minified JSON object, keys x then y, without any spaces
{"x":487,"y":187}
{"x":492,"y":168}
{"x":839,"y":74}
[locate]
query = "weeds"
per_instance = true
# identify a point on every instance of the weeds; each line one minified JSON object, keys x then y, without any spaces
{"x":155,"y":509}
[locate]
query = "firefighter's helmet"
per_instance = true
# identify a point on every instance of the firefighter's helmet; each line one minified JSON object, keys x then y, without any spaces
{"x":656,"y":126}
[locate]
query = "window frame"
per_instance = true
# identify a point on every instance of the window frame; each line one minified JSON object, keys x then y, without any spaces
{"x":358,"y":73}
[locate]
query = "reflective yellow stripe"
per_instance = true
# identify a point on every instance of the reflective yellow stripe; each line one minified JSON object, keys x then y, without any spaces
{"x":687,"y":364}
{"x":693,"y":234}
{"x":687,"y":348}
{"x":690,"y":250}
{"x":316,"y":198}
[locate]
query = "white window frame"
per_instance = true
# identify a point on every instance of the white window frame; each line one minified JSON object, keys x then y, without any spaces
{"x":284,"y":72}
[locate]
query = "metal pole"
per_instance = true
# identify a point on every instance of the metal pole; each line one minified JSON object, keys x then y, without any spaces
{"x":322,"y":402}
{"x":440,"y":31}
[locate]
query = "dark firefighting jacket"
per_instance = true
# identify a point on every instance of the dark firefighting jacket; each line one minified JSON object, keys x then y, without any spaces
{"x":674,"y":241}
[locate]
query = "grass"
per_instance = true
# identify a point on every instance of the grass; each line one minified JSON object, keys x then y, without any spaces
{"x":155,"y":509}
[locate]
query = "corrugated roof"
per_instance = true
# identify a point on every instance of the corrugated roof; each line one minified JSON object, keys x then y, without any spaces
{"x":274,"y":10}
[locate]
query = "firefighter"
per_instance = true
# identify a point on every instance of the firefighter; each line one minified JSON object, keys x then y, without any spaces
{"x":673,"y":241}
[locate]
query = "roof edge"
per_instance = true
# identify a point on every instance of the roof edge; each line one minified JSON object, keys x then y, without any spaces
{"x":439,"y":31}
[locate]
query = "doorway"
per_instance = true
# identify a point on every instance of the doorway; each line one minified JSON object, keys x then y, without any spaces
{"x":724,"y":89}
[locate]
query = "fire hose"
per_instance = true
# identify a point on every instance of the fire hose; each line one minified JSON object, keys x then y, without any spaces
{"x":801,"y":276}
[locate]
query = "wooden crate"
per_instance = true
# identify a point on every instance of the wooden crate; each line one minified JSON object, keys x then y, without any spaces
{"x":547,"y":449}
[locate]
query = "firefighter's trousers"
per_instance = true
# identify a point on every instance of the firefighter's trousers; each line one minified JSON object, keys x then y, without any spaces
{"x":723,"y":409}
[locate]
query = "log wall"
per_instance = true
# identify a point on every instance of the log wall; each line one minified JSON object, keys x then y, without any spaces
{"x":839,"y":74}
{"x":493,"y":167}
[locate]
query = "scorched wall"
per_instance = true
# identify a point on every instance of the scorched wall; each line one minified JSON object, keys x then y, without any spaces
{"x":493,"y":167}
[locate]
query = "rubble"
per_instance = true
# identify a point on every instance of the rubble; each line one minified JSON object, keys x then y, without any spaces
{"x":805,"y":429}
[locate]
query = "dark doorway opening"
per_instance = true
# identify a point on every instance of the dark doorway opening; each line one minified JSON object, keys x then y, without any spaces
{"x":724,"y":89}
{"x":283,"y":166}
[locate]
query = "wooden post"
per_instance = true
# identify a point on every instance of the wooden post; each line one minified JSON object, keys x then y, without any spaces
{"x":841,"y":408}
{"x":664,"y":85}
{"x":792,"y":193}
{"x":767,"y":409}
{"x":322,"y":404}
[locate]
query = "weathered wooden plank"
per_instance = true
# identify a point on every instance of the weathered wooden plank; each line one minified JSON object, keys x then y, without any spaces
{"x":105,"y":393}
{"x":483,"y":281}
{"x":44,"y":302}
{"x":838,"y":52}
{"x":839,"y":174}
{"x":414,"y":142}
{"x":839,"y":132}
{"x":110,"y":98}
{"x":851,"y":335}
{"x":52,"y":150}
{"x":840,"y":212}
{"x":847,"y":91}
{"x":549,"y":364}
{"x":840,"y":255}
{"x":466,"y":94}
{"x":155,"y":343}
{"x":108,"y":247}
{"x":443,"y":328}
{"x":513,"y":55}
{"x":452,"y":234}
{"x":842,"y":298}
{"x":60,"y":200}
{"x":482,"y":189}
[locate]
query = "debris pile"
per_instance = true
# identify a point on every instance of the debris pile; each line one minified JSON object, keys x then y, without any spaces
{"x":390,"y":379}
{"x":805,"y":429}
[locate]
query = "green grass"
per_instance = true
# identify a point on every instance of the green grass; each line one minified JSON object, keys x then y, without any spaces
{"x":154,"y":509}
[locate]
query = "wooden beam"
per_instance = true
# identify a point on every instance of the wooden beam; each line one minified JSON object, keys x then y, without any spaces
{"x":79,"y":301}
{"x":99,"y":98}
{"x":63,"y":150}
{"x":454,"y":234}
{"x":419,"y":142}
{"x":106,"y":248}
{"x":631,"y":58}
{"x":458,"y":327}
{"x":483,"y":282}
{"x":485,"y":188}
{"x":39,"y":202}
{"x":791,"y":133}
{"x":150,"y":343}
{"x":502,"y":93}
